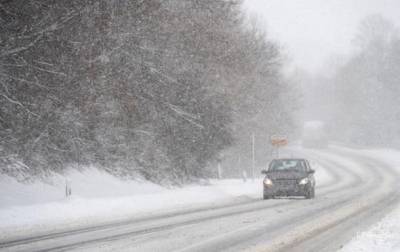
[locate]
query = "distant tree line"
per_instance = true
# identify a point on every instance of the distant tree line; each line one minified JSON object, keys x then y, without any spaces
{"x":151,"y":88}
{"x":366,"y":87}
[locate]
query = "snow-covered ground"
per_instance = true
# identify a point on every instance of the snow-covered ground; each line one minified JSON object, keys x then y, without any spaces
{"x":99,"y":198}
{"x":384,"y":236}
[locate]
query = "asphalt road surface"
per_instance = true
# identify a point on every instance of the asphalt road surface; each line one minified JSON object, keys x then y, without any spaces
{"x":358,"y":192}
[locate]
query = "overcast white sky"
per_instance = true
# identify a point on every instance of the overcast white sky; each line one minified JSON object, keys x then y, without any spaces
{"x":312,"y":30}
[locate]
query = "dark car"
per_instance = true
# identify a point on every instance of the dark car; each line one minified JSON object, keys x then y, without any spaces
{"x":289,"y":177}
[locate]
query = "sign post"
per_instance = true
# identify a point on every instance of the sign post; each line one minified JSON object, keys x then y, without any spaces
{"x":253,"y":155}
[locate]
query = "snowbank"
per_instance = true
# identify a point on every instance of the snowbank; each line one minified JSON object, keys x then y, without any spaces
{"x":385,"y":235}
{"x":99,"y":198}
{"x":90,"y":183}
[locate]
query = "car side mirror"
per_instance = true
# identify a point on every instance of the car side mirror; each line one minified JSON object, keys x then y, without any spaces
{"x":264,"y":172}
{"x":311,"y":171}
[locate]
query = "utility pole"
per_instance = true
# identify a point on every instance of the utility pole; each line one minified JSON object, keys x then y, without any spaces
{"x":219,"y":170}
{"x":253,"y":155}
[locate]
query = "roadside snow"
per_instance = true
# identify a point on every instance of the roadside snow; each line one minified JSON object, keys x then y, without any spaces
{"x":99,"y":198}
{"x":90,"y":183}
{"x":385,"y":235}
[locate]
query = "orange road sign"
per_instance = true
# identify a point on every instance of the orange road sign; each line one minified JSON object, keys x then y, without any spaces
{"x":279,"y":141}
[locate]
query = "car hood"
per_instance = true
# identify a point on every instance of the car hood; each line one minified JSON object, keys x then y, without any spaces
{"x":286,"y":175}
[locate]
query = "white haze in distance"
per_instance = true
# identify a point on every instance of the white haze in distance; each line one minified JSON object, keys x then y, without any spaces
{"x":311,"y":31}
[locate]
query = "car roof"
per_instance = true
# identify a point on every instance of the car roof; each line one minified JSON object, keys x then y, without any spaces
{"x":289,"y":159}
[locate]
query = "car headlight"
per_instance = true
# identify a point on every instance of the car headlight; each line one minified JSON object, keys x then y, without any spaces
{"x":268,"y":182}
{"x":304,"y":181}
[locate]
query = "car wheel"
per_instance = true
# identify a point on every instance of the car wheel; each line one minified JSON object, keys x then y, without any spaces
{"x":266,"y":197}
{"x":310,"y":194}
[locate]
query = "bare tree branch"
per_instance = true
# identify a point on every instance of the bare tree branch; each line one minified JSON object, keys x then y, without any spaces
{"x":19,"y":104}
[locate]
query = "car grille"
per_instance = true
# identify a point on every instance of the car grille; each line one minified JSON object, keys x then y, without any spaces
{"x":285,"y":182}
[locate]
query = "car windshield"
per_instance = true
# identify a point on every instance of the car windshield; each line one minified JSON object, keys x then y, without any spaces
{"x":285,"y":165}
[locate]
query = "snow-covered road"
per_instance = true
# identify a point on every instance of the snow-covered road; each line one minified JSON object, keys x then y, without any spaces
{"x":356,"y":190}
